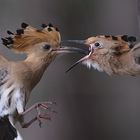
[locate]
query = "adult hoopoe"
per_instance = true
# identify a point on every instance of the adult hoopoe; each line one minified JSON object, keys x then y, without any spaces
{"x":112,"y":54}
{"x":18,"y":78}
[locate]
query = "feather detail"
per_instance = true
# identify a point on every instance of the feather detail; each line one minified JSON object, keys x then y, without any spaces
{"x":8,"y":132}
{"x":28,"y":36}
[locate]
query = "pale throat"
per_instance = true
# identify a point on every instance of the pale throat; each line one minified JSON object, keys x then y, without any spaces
{"x":92,"y":64}
{"x":38,"y":64}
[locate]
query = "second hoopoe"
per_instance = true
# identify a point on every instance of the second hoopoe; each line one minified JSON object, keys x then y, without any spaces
{"x":18,"y":78}
{"x":112,"y":54}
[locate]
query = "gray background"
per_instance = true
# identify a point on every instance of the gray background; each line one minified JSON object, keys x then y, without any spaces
{"x":90,"y":105}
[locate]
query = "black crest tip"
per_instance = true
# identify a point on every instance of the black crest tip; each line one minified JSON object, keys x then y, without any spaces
{"x":20,"y":31}
{"x":9,"y":32}
{"x":50,"y":25}
{"x":125,"y":38}
{"x":114,"y":38}
{"x":4,"y":41}
{"x":107,"y":36}
{"x":7,"y":41}
{"x":24,"y":25}
{"x":10,"y":40}
{"x":57,"y":29}
{"x":132,"y":39}
{"x":43,"y":25}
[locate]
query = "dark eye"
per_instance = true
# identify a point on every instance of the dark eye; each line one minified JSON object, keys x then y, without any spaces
{"x":47,"y":47}
{"x":97,"y":44}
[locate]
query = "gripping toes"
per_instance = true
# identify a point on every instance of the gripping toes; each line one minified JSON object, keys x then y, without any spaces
{"x":40,"y":113}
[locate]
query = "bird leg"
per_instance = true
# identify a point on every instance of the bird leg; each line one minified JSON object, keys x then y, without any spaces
{"x":39,"y":116}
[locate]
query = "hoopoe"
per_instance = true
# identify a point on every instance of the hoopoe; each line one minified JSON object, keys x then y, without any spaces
{"x":18,"y":78}
{"x":112,"y":54}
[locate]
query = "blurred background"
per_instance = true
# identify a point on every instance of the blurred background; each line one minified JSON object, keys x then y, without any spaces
{"x":90,"y":105}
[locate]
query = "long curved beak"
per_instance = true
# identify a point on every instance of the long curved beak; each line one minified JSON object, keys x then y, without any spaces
{"x":66,"y":49}
{"x":73,"y":46}
{"x":79,"y":61}
{"x":79,"y":44}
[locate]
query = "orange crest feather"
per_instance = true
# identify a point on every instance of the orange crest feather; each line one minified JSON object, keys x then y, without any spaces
{"x":28,"y":36}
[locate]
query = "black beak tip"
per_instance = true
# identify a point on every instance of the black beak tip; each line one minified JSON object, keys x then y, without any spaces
{"x":69,"y":69}
{"x":79,"y":44}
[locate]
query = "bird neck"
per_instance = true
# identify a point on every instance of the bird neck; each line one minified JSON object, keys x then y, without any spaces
{"x":37,"y":62}
{"x":38,"y":65}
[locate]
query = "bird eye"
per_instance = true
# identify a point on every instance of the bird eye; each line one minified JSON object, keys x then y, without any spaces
{"x":47,"y":47}
{"x":98,"y":45}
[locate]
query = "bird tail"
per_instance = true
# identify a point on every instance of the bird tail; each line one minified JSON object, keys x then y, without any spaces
{"x":7,"y":131}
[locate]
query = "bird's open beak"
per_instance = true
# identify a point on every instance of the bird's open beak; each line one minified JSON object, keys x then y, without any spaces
{"x":80,"y":46}
{"x":66,"y":49}
{"x":72,"y":46}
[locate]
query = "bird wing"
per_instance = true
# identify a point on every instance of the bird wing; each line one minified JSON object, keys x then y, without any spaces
{"x":7,"y":131}
{"x":4,"y":69}
{"x":28,"y":36}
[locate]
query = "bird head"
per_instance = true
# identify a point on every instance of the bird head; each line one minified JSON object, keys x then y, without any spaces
{"x":39,"y":42}
{"x":104,"y":52}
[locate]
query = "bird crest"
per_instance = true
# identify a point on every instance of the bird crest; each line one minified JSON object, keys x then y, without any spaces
{"x":121,"y":38}
{"x":125,"y":42}
{"x":28,"y":36}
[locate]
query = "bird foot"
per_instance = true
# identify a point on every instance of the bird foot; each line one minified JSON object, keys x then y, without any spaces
{"x":44,"y":106}
{"x":40,"y":107}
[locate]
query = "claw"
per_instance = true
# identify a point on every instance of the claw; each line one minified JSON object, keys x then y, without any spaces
{"x":45,"y":116}
{"x":54,"y":112}
{"x":39,"y":120}
{"x":40,"y":115}
{"x":44,"y":106}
